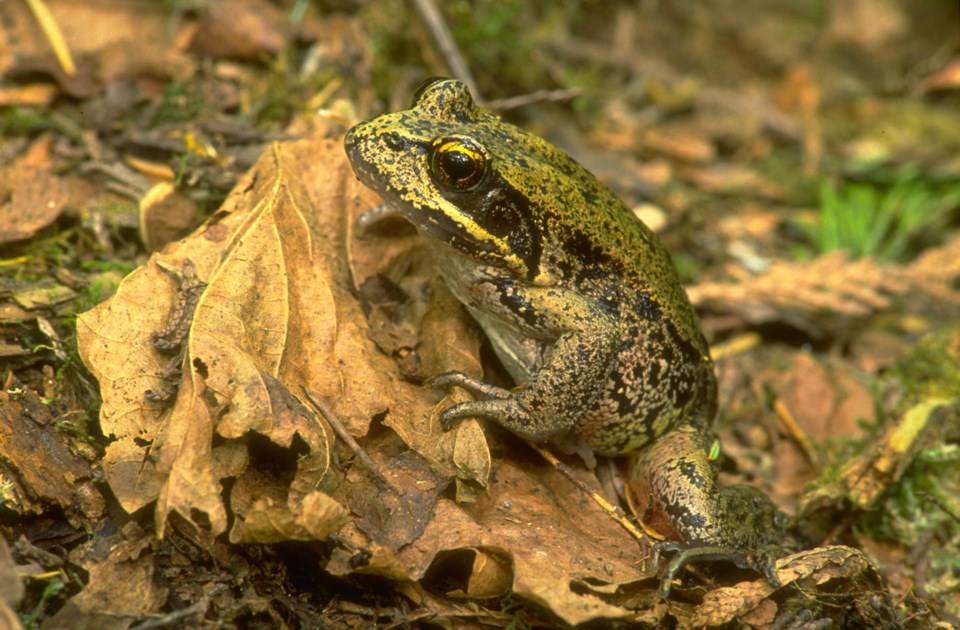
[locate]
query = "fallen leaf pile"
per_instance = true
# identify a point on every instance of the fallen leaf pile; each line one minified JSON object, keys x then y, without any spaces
{"x":267,"y":452}
{"x":278,"y":324}
{"x":232,"y":427}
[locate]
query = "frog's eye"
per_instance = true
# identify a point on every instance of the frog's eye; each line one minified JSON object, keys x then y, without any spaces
{"x":458,"y":163}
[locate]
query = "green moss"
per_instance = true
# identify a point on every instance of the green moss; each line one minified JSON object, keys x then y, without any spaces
{"x":932,"y":367}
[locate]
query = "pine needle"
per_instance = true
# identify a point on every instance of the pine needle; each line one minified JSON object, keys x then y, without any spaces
{"x":53,"y":34}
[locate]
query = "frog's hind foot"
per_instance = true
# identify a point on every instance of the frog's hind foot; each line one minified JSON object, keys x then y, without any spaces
{"x":762,"y":561}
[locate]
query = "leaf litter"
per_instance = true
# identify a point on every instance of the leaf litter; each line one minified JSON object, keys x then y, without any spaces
{"x":305,"y":330}
{"x":277,"y":319}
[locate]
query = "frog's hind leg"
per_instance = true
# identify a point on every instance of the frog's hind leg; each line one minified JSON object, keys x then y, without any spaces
{"x":676,"y":481}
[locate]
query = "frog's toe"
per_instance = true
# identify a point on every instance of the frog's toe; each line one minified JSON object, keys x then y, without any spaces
{"x":765,"y":561}
{"x":762,"y":561}
{"x":445,"y":380}
{"x":476,"y":387}
{"x":452,"y":416}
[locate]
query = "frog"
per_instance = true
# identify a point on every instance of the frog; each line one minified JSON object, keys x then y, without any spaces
{"x":581,"y":303}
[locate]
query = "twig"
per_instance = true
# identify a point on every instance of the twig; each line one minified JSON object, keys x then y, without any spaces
{"x":433,"y":20}
{"x":798,"y":434}
{"x":344,"y":435}
{"x":613,"y":511}
{"x":178,"y":617}
{"x":735,"y":346}
{"x":54,"y":35}
{"x":932,"y":499}
{"x":540,"y":96}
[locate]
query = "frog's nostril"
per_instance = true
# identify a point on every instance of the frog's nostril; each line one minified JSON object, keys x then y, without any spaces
{"x":394,"y":141}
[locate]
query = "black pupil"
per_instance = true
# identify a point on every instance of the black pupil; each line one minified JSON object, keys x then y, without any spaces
{"x":458,"y":165}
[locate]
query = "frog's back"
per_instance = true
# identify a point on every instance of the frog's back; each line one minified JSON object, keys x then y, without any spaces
{"x":664,"y":375}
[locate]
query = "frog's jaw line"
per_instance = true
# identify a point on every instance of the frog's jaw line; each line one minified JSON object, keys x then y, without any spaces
{"x":426,"y":219}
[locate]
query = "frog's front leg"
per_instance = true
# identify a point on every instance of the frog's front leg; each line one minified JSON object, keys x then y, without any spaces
{"x":577,"y":366}
{"x":675,"y":480}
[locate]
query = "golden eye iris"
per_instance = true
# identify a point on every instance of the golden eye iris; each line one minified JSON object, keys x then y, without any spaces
{"x":458,"y":163}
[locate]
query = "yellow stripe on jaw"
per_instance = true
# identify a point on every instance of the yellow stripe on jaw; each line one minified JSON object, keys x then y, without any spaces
{"x":469,"y":226}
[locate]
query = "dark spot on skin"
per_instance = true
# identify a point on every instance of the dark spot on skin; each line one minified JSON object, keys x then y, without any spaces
{"x":653,"y":374}
{"x":586,"y":262}
{"x":394,"y":141}
{"x":648,"y":307}
{"x":621,"y":397}
{"x":694,"y":521}
{"x":611,"y":299}
{"x":517,"y":304}
{"x":691,"y":472}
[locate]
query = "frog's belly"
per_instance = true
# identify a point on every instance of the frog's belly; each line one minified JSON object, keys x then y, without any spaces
{"x":521,"y":355}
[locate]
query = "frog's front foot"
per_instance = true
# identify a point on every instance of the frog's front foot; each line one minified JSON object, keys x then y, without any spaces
{"x":760,"y":560}
{"x":523,"y":411}
{"x":484,"y":392}
{"x":475,"y":386}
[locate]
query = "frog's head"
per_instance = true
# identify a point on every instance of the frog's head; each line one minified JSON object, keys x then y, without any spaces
{"x":463,"y":176}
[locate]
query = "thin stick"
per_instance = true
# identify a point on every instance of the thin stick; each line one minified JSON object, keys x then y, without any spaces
{"x":613,"y":511}
{"x":344,"y":435}
{"x":442,"y":36}
{"x":796,"y":433}
{"x":54,"y":35}
{"x":540,"y":96}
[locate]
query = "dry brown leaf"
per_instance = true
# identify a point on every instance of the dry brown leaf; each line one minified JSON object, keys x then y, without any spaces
{"x":121,"y":588}
{"x":109,"y":40}
{"x":114,"y":341}
{"x":166,"y":450}
{"x":887,"y":24}
{"x":165,"y":216}
{"x":799,"y":95}
{"x":316,"y":518}
{"x":947,"y":77}
{"x":32,"y":195}
{"x":824,"y":397}
{"x":490,"y":574}
{"x":183,"y":451}
{"x":562,"y":547}
{"x":732,"y":179}
{"x":832,"y":294}
{"x":936,"y":272}
{"x":246,"y":30}
{"x":678,"y":143}
{"x":11,"y":587}
{"x":810,"y":568}
{"x":453,"y":344}
{"x":273,"y":320}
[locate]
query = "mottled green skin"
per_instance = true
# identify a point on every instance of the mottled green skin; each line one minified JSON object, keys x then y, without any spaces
{"x":577,"y":295}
